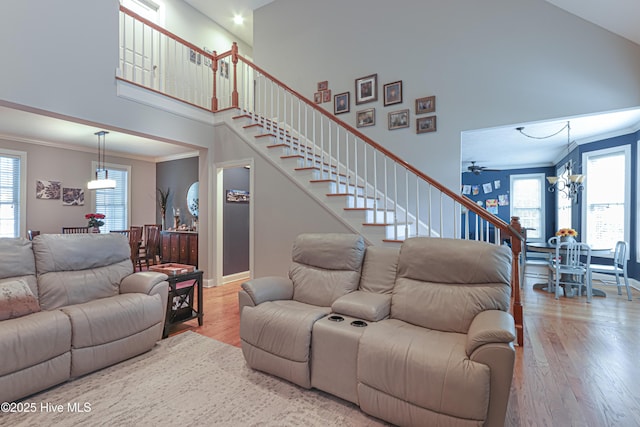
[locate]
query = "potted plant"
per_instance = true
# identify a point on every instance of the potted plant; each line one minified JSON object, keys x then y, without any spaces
{"x":567,"y":234}
{"x":95,"y":221}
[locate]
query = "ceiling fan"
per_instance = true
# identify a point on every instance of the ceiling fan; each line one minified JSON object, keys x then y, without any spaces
{"x":477,"y":170}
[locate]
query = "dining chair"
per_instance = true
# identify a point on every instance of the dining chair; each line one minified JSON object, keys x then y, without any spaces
{"x":72,"y":230}
{"x":567,"y":268}
{"x":151,"y":250}
{"x":135,"y":240}
{"x":618,"y":267}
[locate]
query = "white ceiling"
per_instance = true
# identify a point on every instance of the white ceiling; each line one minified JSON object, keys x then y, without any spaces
{"x":617,"y":16}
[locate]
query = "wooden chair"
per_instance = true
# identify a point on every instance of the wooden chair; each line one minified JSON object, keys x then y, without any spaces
{"x":135,"y":240}
{"x":32,"y":233}
{"x":152,"y":245}
{"x":72,"y":230}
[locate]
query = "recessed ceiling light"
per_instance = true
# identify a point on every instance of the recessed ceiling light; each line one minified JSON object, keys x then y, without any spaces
{"x":238,"y":20}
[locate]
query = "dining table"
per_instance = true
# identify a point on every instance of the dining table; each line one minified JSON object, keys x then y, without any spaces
{"x":550,"y":249}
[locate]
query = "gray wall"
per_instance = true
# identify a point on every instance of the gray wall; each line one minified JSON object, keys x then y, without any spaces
{"x":73,"y":169}
{"x":177,"y":176}
{"x":489,"y":63}
{"x":235,"y":223}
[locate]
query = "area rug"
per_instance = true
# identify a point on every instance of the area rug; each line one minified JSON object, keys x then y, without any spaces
{"x":186,"y":380}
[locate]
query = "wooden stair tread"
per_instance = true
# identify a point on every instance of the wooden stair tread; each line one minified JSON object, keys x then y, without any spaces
{"x":252,"y":125}
{"x":241,"y":116}
{"x":351,"y":194}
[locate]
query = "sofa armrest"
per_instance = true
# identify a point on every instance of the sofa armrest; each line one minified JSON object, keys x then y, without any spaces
{"x":269,"y":288}
{"x":490,"y":326}
{"x":142,"y":282}
{"x":369,"y":306}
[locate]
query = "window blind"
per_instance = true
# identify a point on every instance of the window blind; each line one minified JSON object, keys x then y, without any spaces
{"x":113,"y":203}
{"x":9,"y":195}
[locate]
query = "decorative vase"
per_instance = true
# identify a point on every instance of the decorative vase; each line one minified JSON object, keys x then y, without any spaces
{"x":95,"y":229}
{"x":567,"y":239}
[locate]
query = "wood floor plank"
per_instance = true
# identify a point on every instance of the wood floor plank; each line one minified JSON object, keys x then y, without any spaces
{"x":579,"y":365}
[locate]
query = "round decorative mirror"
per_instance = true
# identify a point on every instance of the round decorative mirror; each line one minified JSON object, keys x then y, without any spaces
{"x":193,"y":200}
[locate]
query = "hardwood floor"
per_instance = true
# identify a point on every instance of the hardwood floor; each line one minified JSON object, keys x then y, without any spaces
{"x":578,"y":366}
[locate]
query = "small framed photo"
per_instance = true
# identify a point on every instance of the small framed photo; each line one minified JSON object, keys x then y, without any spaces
{"x":426,"y":124}
{"x":426,"y":105}
{"x":317,"y":97}
{"x":323,"y":86}
{"x":326,"y":96}
{"x":367,"y":89}
{"x":393,"y":93}
{"x":399,"y":119}
{"x":366,"y":118}
{"x":341,"y":103}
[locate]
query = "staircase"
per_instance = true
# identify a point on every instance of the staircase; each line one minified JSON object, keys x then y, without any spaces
{"x":371,"y":190}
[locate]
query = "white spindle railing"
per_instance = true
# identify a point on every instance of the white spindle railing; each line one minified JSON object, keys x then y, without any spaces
{"x":394,"y":194}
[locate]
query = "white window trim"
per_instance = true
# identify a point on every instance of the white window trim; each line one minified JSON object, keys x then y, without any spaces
{"x":94,"y":166}
{"x":627,"y":193}
{"x":22,"y":155}
{"x":543,"y":189}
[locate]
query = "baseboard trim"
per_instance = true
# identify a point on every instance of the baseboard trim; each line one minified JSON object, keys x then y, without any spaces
{"x":244,"y":275}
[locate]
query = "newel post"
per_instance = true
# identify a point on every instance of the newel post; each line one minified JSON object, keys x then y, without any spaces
{"x":516,"y":249}
{"x":214,"y":67}
{"x":234,"y":60}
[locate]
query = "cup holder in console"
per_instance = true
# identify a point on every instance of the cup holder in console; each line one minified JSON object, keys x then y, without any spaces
{"x":359,"y":323}
{"x":336,"y":318}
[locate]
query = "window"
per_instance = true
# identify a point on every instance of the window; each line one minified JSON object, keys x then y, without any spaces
{"x":114,"y":203}
{"x":563,"y":203}
{"x":605,"y":218}
{"x":13,"y":178}
{"x":527,"y":202}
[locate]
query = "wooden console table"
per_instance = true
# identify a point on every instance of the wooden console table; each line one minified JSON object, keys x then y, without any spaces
{"x":180,"y":247}
{"x":180,"y":306}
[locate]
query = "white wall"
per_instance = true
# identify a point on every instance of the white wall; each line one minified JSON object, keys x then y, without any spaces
{"x":73,"y":169}
{"x":489,"y":63}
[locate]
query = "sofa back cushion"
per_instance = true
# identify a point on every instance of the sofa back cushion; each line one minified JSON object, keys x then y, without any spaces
{"x":16,"y":299}
{"x":379,"y":269}
{"x":18,"y":261}
{"x":77,"y":268}
{"x":443,"y":284}
{"x":325,"y":266}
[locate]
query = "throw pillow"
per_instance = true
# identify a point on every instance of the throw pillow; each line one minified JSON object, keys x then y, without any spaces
{"x":16,"y":300}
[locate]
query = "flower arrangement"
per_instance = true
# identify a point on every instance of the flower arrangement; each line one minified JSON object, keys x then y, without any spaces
{"x":563,"y":232}
{"x":95,"y":219}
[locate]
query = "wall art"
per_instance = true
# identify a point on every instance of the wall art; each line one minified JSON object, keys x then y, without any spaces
{"x":426,"y":105}
{"x":393,"y":93}
{"x":341,"y":103}
{"x":366,"y":118}
{"x":237,"y":196}
{"x":426,"y":124}
{"x":326,"y":96}
{"x":323,"y":86}
{"x":72,"y":196}
{"x":367,"y":89}
{"x":47,"y":189}
{"x":399,"y":119}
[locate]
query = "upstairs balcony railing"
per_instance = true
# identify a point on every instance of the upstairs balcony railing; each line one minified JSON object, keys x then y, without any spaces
{"x":395,"y":194}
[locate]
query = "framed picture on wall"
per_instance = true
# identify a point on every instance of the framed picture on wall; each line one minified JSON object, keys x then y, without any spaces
{"x":426,"y":124}
{"x":366,"y":118}
{"x":426,"y":105}
{"x":323,"y":86}
{"x":326,"y":95}
{"x":341,"y":103}
{"x":367,"y":89}
{"x":237,"y":196}
{"x":317,"y":97}
{"x":399,"y":119}
{"x":393,"y":93}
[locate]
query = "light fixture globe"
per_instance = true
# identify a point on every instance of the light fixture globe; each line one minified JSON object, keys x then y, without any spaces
{"x":101,"y":183}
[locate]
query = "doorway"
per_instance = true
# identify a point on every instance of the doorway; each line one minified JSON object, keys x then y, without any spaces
{"x":234,"y":222}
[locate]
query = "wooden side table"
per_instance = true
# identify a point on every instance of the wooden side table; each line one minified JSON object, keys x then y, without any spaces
{"x":180,"y":302}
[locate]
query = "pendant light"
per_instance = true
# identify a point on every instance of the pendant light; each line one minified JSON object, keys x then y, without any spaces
{"x":101,"y":183}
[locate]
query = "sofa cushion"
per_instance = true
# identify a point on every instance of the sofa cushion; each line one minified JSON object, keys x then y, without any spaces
{"x":282,"y":328}
{"x":16,"y":300}
{"x":443,"y":284}
{"x":110,"y":319}
{"x":427,"y":368}
{"x":325,"y":267}
{"x":17,"y":258}
{"x":379,"y":269}
{"x":33,"y":339}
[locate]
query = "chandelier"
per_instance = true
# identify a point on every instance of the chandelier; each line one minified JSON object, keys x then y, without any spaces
{"x":101,"y":183}
{"x":569,"y":183}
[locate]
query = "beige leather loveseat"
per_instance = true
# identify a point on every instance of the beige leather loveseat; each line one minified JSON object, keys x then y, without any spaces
{"x":69,"y":305}
{"x":419,"y":336}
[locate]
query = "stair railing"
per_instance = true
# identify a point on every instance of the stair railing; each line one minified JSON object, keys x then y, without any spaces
{"x":396,"y":196}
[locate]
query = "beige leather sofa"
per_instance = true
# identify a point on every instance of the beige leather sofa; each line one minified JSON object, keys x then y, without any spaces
{"x":417,"y":337}
{"x":69,"y":305}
